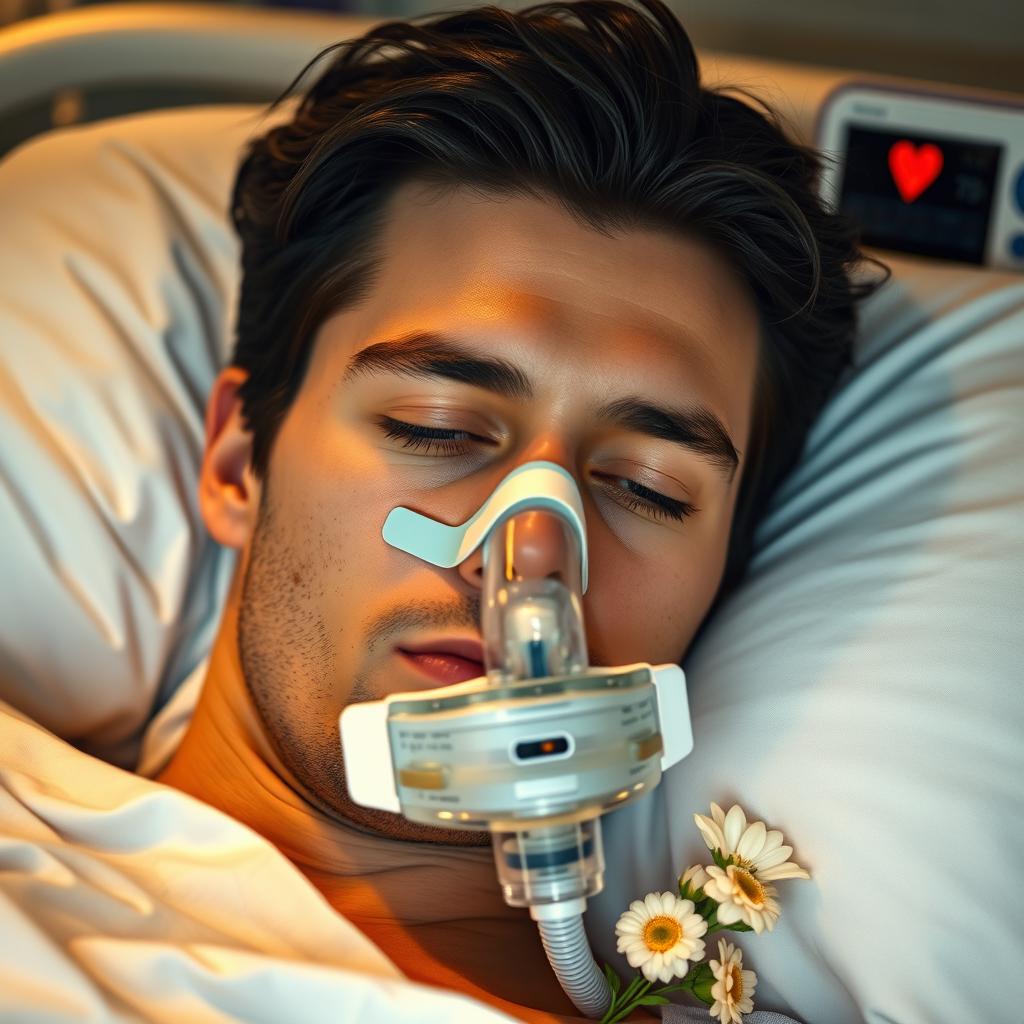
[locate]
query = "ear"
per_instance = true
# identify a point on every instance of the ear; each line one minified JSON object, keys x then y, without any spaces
{"x":229,"y":493}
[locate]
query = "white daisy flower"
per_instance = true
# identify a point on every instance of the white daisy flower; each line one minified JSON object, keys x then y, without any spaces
{"x":751,"y":846}
{"x":692,"y":880}
{"x":733,"y":986}
{"x":742,"y":897}
{"x":660,"y":934}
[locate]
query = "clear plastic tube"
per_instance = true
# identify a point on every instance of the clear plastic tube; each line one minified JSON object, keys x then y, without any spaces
{"x":551,"y":864}
{"x":533,"y":627}
{"x":532,"y":614}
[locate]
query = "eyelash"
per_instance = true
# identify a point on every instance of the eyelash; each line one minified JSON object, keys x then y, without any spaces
{"x":437,"y":439}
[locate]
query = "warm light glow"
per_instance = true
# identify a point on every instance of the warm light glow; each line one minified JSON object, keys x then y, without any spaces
{"x":447,"y":815}
{"x":509,"y":549}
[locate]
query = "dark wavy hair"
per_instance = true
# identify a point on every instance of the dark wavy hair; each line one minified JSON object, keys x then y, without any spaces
{"x":595,"y":105}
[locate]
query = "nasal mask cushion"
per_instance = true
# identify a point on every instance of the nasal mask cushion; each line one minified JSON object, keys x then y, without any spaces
{"x":537,"y":485}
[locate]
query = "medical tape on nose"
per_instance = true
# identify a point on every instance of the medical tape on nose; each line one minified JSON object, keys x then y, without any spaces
{"x":540,"y":485}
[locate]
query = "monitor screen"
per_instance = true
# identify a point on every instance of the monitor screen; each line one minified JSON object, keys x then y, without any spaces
{"x":926,"y":194}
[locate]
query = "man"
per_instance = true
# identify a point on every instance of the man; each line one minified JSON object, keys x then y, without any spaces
{"x":522,"y":236}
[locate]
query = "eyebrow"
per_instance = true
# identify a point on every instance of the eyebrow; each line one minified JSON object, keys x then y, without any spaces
{"x":429,"y":355}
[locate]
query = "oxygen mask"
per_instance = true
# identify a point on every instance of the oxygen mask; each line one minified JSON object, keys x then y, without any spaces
{"x":540,"y":746}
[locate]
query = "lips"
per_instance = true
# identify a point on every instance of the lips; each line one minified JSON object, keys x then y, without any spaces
{"x":451,"y":660}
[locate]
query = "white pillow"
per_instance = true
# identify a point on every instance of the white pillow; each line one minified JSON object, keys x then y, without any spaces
{"x":862,"y":689}
{"x":118,"y":272}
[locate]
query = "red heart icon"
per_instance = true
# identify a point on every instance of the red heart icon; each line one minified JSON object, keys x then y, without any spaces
{"x":914,"y":168}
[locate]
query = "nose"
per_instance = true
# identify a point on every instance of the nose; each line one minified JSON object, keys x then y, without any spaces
{"x":540,"y":543}
{"x":534,"y":544}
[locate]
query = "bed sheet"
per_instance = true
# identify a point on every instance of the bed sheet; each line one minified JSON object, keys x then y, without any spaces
{"x":124,"y":900}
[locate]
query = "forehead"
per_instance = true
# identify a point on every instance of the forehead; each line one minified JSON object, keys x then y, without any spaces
{"x":641,"y":309}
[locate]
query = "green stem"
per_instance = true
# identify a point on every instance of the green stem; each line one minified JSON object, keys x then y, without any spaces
{"x":637,"y":982}
{"x":629,"y":998}
{"x":627,"y":1001}
{"x":683,"y":986}
{"x":632,"y":991}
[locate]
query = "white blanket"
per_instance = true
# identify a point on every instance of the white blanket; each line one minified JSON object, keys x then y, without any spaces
{"x":123,"y":900}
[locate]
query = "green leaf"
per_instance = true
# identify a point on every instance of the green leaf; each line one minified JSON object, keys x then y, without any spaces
{"x":614,"y":981}
{"x":652,"y":1001}
{"x":703,"y":979}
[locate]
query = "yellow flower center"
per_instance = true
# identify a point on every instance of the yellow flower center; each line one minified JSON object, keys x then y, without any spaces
{"x":747,"y":884}
{"x":662,"y":933}
{"x":736,"y":992}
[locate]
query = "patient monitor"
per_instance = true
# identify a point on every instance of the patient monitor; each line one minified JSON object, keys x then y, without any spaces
{"x":928,"y":171}
{"x":538,"y":748}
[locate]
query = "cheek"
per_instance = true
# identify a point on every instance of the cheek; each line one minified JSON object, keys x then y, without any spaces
{"x":333,"y":492}
{"x":336,"y":475}
{"x":649,"y":609}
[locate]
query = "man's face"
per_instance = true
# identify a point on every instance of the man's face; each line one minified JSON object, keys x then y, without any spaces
{"x":587,"y":320}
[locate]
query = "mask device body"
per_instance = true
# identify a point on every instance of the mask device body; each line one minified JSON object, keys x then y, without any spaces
{"x":537,"y":749}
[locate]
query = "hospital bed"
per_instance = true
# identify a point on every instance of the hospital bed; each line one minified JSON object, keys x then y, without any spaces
{"x":862,"y":688}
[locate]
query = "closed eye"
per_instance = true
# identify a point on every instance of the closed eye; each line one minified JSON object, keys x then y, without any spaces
{"x":459,"y":442}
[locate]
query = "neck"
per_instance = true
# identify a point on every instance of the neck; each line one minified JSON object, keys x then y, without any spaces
{"x":436,"y":909}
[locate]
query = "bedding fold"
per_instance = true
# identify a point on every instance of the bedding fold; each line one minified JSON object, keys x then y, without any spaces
{"x":122,"y":899}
